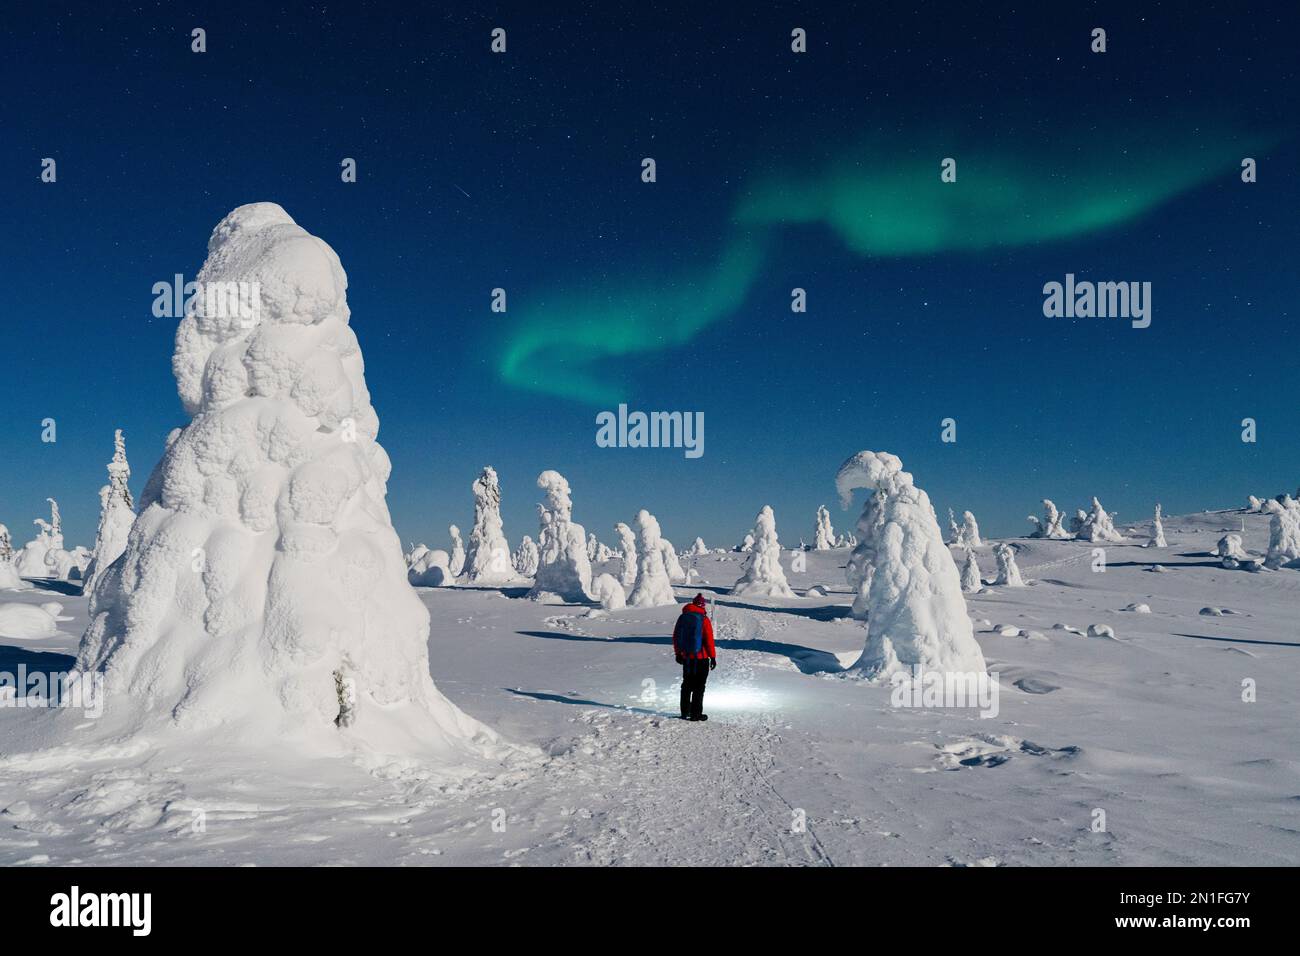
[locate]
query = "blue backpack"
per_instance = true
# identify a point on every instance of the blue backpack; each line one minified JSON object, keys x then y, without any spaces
{"x":688,"y":635}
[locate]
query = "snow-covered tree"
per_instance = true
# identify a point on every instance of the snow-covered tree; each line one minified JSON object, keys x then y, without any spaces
{"x":263,"y":589}
{"x":1157,"y":531}
{"x":970,"y":574}
{"x":1254,"y":505}
{"x":970,"y":531}
{"x":956,"y":533}
{"x":1230,"y":552}
{"x":32,"y":561}
{"x":699,"y":547}
{"x":116,"y":515}
{"x":593,"y":546}
{"x":823,"y":534}
{"x":627,"y":554}
{"x":526,"y":557}
{"x":746,"y":545}
{"x":563,"y":567}
{"x":430,"y":569}
{"x":9,"y":577}
{"x":457,"y":564}
{"x":1008,"y":571}
{"x":652,"y":588}
{"x":763,"y":575}
{"x":606,"y":589}
{"x":487,"y":560}
{"x":673,"y":566}
{"x":916,"y":613}
{"x":1052,"y":524}
{"x":1284,"y":532}
{"x":861,"y":564}
{"x":1098,"y":526}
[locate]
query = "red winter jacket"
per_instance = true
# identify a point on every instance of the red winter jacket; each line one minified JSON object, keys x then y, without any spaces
{"x":706,"y":651}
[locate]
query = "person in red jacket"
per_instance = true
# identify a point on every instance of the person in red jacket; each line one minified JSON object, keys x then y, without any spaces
{"x":693,"y":648}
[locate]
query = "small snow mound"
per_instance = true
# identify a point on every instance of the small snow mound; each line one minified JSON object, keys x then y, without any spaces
{"x":1139,"y":608}
{"x":817,"y":590}
{"x":1101,"y":630}
{"x":1008,"y":630}
{"x":28,"y":621}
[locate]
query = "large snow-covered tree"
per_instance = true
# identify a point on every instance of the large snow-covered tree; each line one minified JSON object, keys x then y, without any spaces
{"x":487,"y":561}
{"x":563,"y":568}
{"x":764,"y":576}
{"x":263,"y":589}
{"x":652,"y":587}
{"x":916,"y":614}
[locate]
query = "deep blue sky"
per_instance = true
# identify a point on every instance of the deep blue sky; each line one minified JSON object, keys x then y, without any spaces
{"x":155,"y":144}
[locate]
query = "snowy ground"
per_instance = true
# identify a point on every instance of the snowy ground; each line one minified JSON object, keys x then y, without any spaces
{"x":1150,"y":728}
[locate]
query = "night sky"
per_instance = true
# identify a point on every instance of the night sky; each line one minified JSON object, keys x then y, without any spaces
{"x":775,"y":170}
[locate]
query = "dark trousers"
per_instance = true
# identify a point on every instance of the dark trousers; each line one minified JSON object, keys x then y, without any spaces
{"x":695,"y":674}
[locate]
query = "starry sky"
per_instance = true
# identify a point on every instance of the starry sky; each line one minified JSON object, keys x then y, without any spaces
{"x":775,"y":170}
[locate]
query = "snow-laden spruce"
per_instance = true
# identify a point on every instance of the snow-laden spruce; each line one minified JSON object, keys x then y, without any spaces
{"x":1097,"y":526}
{"x":31,"y":560}
{"x":263,"y":589}
{"x":763,"y":575}
{"x":916,"y":613}
{"x":970,"y":574}
{"x":671,"y":564}
{"x":626,"y":554}
{"x":747,"y":544}
{"x":9,"y":576}
{"x":526,"y":557}
{"x":487,"y":560}
{"x":1283,"y":533}
{"x":116,"y":515}
{"x":1157,"y":530}
{"x":823,"y":533}
{"x":1052,"y":525}
{"x":1008,"y":570}
{"x":956,"y":533}
{"x":563,"y":568}
{"x":970,"y":531}
{"x":652,"y":587}
{"x":457,"y":551}
{"x":593,"y":546}
{"x":861,"y":564}
{"x":698,"y":548}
